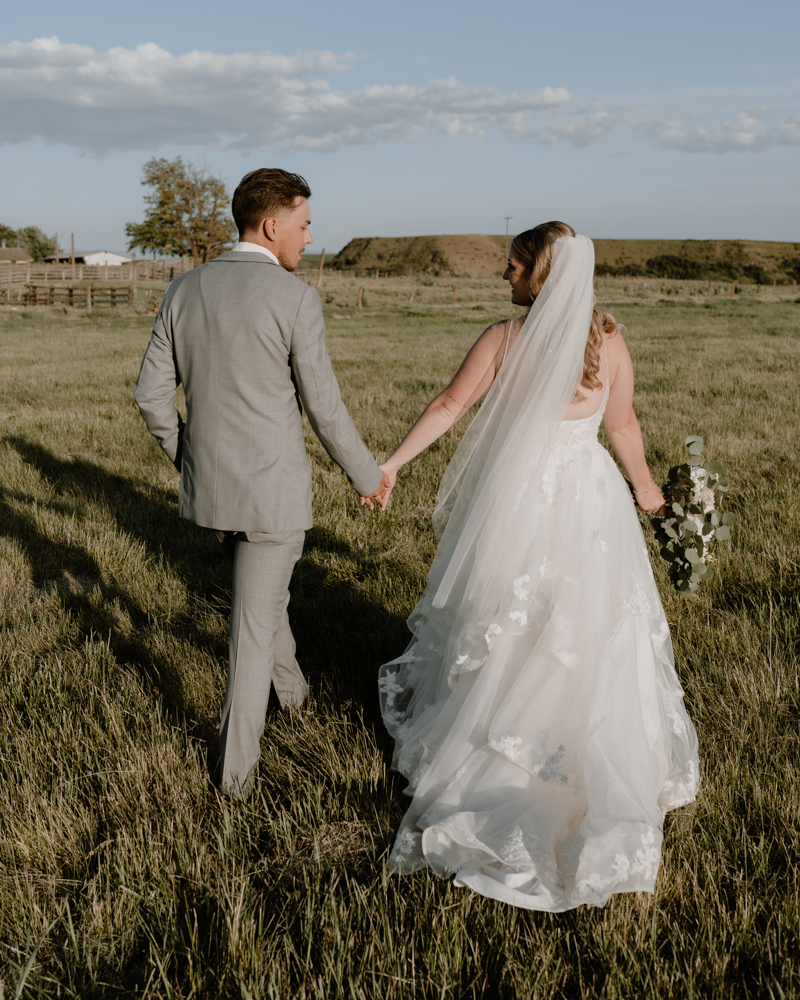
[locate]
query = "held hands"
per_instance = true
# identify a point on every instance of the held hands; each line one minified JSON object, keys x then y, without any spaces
{"x":384,"y":490}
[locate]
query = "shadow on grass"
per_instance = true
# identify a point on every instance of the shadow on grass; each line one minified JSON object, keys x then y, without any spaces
{"x":339,"y":630}
{"x":342,"y":631}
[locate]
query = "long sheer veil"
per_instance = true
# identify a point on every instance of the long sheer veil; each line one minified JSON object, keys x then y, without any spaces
{"x":504,"y":453}
{"x":536,"y":712}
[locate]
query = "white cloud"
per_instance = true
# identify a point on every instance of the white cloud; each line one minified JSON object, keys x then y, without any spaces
{"x":743,"y":132}
{"x":789,"y":131}
{"x":145,"y":97}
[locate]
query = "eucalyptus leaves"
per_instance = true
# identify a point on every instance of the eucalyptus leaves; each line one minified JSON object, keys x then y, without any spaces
{"x":688,"y":534}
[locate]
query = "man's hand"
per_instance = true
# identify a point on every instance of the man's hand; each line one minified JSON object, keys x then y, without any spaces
{"x":383,"y":492}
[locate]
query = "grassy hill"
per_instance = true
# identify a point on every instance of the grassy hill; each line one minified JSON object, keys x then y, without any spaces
{"x":480,"y":256}
{"x":747,"y":260}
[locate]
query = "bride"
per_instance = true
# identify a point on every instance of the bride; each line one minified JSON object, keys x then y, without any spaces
{"x":536,"y":712}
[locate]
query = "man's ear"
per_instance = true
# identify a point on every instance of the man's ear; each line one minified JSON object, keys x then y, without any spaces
{"x":269,"y":228}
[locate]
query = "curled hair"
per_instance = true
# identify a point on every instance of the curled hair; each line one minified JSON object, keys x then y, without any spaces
{"x":603,"y":325}
{"x":534,"y":250}
{"x":263,"y":193}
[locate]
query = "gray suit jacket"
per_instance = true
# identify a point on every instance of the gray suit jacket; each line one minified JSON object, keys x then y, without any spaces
{"x":246,"y":339}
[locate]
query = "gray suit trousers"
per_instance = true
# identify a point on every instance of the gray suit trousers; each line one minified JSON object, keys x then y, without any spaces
{"x":262,"y":647}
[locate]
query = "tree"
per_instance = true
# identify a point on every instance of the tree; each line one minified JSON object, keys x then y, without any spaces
{"x":186,"y":212}
{"x":30,"y":238}
{"x":35,"y":242}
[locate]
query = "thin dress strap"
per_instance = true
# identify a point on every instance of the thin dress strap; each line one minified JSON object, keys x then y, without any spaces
{"x":505,"y":348}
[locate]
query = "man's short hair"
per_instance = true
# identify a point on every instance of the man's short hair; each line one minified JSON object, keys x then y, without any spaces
{"x":263,"y":193}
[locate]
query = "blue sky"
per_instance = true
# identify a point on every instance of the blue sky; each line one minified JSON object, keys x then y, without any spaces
{"x":626,"y":120}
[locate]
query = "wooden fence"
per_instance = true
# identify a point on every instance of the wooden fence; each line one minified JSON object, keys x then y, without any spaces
{"x":137,"y":270}
{"x":84,"y":298}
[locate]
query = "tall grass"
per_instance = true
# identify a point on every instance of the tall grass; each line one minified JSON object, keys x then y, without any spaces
{"x":123,"y":873}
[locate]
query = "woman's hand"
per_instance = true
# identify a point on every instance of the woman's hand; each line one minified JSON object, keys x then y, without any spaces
{"x":652,"y":502}
{"x":382,"y":493}
{"x":391,"y":474}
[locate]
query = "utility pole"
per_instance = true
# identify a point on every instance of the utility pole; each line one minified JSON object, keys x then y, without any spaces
{"x":507,"y":218}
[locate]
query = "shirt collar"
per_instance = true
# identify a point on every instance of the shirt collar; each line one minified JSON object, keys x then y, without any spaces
{"x":242,"y":247}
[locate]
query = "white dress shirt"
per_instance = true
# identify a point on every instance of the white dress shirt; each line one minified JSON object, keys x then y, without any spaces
{"x":241,"y":247}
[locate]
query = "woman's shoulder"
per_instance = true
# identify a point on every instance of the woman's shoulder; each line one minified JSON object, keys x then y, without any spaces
{"x":498,"y":328}
{"x":494,"y":335}
{"x":502,"y":327}
{"x":615,"y":342}
{"x":619,"y":359}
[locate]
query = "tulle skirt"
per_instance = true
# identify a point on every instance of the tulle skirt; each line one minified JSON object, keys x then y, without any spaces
{"x":542,"y":753}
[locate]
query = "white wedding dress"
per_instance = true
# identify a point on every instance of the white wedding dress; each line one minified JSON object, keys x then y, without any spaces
{"x":542,"y":731}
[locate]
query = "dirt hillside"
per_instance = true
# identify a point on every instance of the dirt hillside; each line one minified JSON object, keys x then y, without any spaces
{"x":479,"y":256}
{"x":475,"y":256}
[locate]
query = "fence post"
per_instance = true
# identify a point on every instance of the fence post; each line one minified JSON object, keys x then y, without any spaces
{"x":709,"y":289}
{"x":454,"y":294}
{"x":321,"y":265}
{"x":685,"y":288}
{"x":88,"y":298}
{"x":51,"y":296}
{"x":130,"y":296}
{"x":411,"y":296}
{"x":733,"y":289}
{"x":360,"y":294}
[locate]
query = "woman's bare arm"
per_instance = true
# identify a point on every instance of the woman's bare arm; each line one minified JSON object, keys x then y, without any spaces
{"x":623,"y":428}
{"x":477,"y":372}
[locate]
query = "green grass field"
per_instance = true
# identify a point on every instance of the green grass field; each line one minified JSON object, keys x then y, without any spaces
{"x":123,"y":874}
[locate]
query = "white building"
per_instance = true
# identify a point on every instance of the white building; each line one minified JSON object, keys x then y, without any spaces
{"x":94,"y":258}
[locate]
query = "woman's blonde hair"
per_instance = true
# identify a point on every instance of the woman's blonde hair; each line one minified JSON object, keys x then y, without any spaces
{"x":534,"y":250}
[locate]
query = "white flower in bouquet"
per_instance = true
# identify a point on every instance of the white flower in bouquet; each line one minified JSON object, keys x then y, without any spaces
{"x":694,"y":524}
{"x":702,"y":491}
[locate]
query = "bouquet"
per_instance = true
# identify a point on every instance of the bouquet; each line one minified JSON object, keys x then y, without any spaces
{"x":693,"y":523}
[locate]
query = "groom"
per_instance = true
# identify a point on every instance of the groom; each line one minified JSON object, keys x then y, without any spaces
{"x":247,"y":341}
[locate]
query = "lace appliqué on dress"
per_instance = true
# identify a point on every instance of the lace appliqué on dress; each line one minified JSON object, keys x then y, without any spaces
{"x":644,"y":863}
{"x":678,"y":792}
{"x":406,"y":854}
{"x":562,"y":637}
{"x":636,"y":603}
{"x":531,"y":757}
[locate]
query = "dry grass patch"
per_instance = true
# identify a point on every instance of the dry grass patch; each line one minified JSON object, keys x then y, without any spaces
{"x":122,"y":873}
